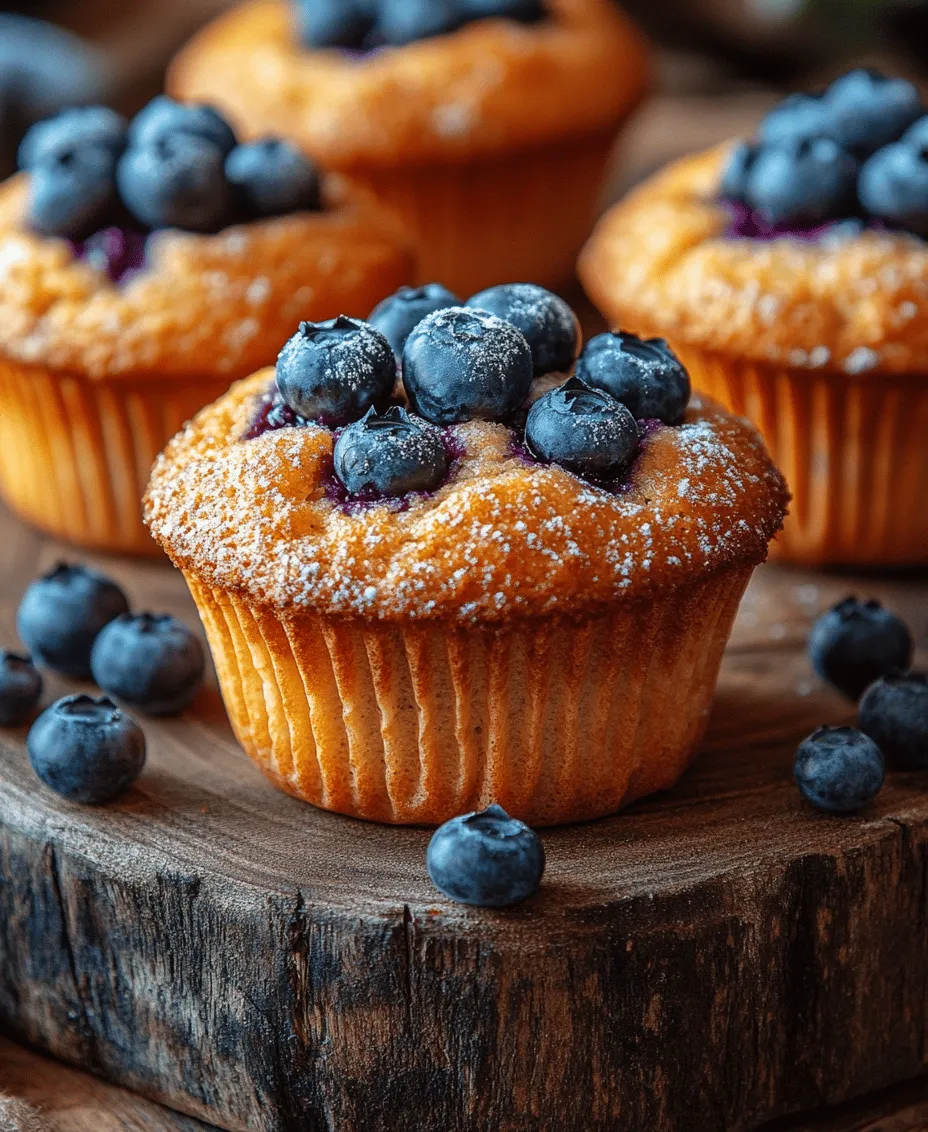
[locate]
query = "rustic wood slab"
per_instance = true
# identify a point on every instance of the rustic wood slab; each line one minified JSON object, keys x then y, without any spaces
{"x":714,"y":958}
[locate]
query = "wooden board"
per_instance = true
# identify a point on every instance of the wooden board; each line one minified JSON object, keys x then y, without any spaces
{"x":714,"y":958}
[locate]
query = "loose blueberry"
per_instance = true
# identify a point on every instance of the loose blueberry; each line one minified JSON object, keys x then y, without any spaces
{"x":163,"y":118}
{"x":399,"y":314}
{"x":796,"y":117}
{"x":272,"y":177}
{"x":488,"y":859}
{"x":644,"y":374}
{"x":390,"y":455}
{"x":20,"y":688}
{"x":333,"y":372}
{"x":869,"y":110}
{"x":548,"y":323}
{"x":802,"y":183}
{"x":855,"y":643}
{"x":839,"y":769}
{"x":461,"y":364}
{"x":94,"y":126}
{"x":151,"y":662}
{"x":525,"y":11}
{"x":584,"y":430}
{"x":86,"y":750}
{"x":334,"y":23}
{"x":72,"y":194}
{"x":894,"y":186}
{"x":405,"y":21}
{"x":178,"y":181}
{"x":62,"y":613}
{"x":894,"y":713}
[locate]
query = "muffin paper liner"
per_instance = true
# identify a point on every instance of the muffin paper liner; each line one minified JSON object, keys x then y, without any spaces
{"x":556,"y":719}
{"x":75,"y":455}
{"x":854,"y":452}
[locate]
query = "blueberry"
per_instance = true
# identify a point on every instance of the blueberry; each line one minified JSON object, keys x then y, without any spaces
{"x":584,"y":430}
{"x":334,"y":23}
{"x":73,"y":194}
{"x":488,"y":859}
{"x":20,"y":688}
{"x":151,"y":662}
{"x":164,"y":118}
{"x":94,"y":126}
{"x":390,"y":455}
{"x":272,"y":177}
{"x":333,"y":372}
{"x":894,"y":186}
{"x":62,"y":613}
{"x":86,"y":750}
{"x":461,"y":364}
{"x":405,"y":21}
{"x":644,"y":374}
{"x":796,"y":117}
{"x":855,"y":643}
{"x":737,"y":171}
{"x":399,"y":314}
{"x":802,"y":183}
{"x":525,"y":11}
{"x":894,"y":713}
{"x":869,"y":110}
{"x":178,"y":181}
{"x":549,"y":325}
{"x":839,"y":769}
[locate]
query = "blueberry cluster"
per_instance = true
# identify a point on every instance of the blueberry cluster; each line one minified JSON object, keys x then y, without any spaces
{"x":470,"y":361}
{"x":175,"y":165}
{"x":77,"y":622}
{"x":865,"y":651}
{"x":362,"y":25}
{"x":857,"y":150}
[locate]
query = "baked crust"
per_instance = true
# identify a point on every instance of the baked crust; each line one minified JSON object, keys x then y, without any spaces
{"x":203,"y":305}
{"x":502,"y":538}
{"x":660,"y":262}
{"x":491,"y":87}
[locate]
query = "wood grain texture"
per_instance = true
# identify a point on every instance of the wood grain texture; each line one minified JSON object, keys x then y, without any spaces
{"x":714,"y":958}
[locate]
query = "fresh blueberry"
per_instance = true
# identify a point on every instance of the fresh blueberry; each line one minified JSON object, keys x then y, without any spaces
{"x":20,"y":688}
{"x":893,"y":186}
{"x":737,"y":171}
{"x":548,"y":323}
{"x":644,"y":374}
{"x":461,"y":364}
{"x":334,"y":23}
{"x":333,"y":372}
{"x":405,"y":21}
{"x":86,"y":750}
{"x":584,"y":430}
{"x":855,"y":643}
{"x":62,"y":613}
{"x":894,"y":713}
{"x":399,"y":314}
{"x":163,"y":118}
{"x":802,"y":183}
{"x":72,"y":194}
{"x":839,"y":769}
{"x":869,"y":110}
{"x":525,"y":11}
{"x":488,"y":859}
{"x":94,"y":126}
{"x":390,"y":455}
{"x":916,"y":135}
{"x":151,"y":662}
{"x":796,"y":117}
{"x":178,"y":181}
{"x":272,"y":177}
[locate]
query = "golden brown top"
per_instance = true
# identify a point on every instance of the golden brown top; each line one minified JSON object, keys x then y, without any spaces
{"x":501,"y":538}
{"x":494,"y":85}
{"x":660,"y":262}
{"x":203,"y":305}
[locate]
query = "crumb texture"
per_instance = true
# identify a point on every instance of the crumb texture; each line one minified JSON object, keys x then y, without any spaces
{"x":660,"y":262}
{"x":502,"y":538}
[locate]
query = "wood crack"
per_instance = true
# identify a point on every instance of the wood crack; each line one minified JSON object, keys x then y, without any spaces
{"x":86,"y":1027}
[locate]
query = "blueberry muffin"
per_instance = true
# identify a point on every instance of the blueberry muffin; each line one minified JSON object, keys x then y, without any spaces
{"x":485,"y":125}
{"x":143,"y":268}
{"x":791,"y":275}
{"x":508,"y":577}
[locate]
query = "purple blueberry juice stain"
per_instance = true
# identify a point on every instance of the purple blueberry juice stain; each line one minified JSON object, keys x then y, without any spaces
{"x":118,"y":251}
{"x":272,"y":413}
{"x":745,"y":224}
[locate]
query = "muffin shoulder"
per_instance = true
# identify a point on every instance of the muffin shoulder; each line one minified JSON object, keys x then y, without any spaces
{"x":502,"y":538}
{"x":852,"y":304}
{"x":490,"y":87}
